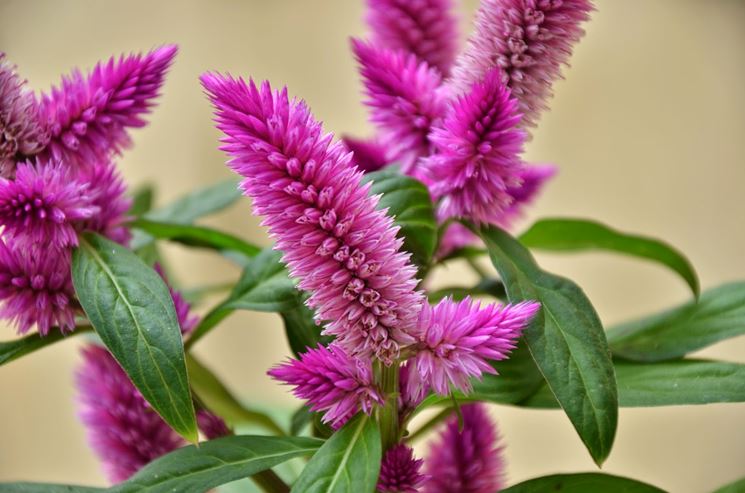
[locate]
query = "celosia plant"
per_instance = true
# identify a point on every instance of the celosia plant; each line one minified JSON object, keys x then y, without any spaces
{"x":360,"y":228}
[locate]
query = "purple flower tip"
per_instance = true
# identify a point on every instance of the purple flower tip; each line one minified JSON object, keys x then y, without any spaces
{"x":468,"y":460}
{"x":369,"y":155}
{"x":211,"y":425}
{"x":400,"y":471}
{"x":332,"y":382}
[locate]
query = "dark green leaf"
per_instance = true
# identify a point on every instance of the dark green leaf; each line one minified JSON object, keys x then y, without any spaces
{"x":142,"y":200}
{"x":580,"y":234}
{"x":566,"y":340}
{"x":12,"y":350}
{"x":409,"y":202}
{"x":301,"y":330}
{"x":198,"y":203}
{"x":669,"y":383}
{"x":212,"y":393}
{"x":130,"y":308}
{"x":467,"y":252}
{"x":486,"y":287}
{"x":718,"y":315}
{"x":736,"y":487}
{"x":197,"y":236}
{"x":300,"y":420}
{"x":589,"y":482}
{"x":216,"y":462}
{"x":348,"y":461}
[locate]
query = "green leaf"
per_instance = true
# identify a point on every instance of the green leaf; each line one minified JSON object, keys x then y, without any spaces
{"x":300,"y":420}
{"x":216,"y":462}
{"x":589,"y":482}
{"x":301,"y":329}
{"x":736,"y":487}
{"x":196,"y":236}
{"x":46,"y":488}
{"x":670,"y":383}
{"x":348,"y":461}
{"x":486,"y":287}
{"x":718,"y":315}
{"x":409,"y":202}
{"x":142,"y":200}
{"x":580,"y":234}
{"x":130,"y":308}
{"x":198,"y":203}
{"x":566,"y":340}
{"x":210,"y":391}
{"x":12,"y":350}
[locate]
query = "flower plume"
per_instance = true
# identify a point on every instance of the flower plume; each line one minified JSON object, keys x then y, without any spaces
{"x":343,"y":251}
{"x":400,"y":471}
{"x":529,"y":41}
{"x":425,"y":28}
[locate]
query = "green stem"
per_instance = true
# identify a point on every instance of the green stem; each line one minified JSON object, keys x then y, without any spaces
{"x":434,"y":421}
{"x":476,"y":268}
{"x":389,"y":423}
{"x":269,"y":482}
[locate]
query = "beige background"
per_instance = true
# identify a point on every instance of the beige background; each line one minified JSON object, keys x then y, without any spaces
{"x":647,"y":129}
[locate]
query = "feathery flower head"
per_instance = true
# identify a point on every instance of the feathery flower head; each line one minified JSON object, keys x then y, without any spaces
{"x":341,"y":248}
{"x":332,"y":382}
{"x":478,"y":146}
{"x":532,"y":180}
{"x":369,"y":155}
{"x":36,"y":288}
{"x":88,"y":116}
{"x":529,"y":41}
{"x":468,"y":460}
{"x":400,"y":471}
{"x":212,"y":426}
{"x":44,"y":204}
{"x":21,"y":131}
{"x":410,"y":393}
{"x":426,"y":28}
{"x":108,"y":194}
{"x":404,"y":98}
{"x":459,"y":338}
{"x":122,"y":428}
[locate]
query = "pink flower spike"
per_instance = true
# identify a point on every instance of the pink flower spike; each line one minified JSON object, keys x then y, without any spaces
{"x":460,"y":338}
{"x":342,"y":250}
{"x":404,"y":99}
{"x":21,"y":130}
{"x":89,"y":116}
{"x":44,"y":204}
{"x":528,"y":41}
{"x":400,"y":471}
{"x":478,"y":144}
{"x":425,"y":28}
{"x":122,"y":428}
{"x":332,"y":382}
{"x":468,"y":460}
{"x":36,"y":288}
{"x":108,"y":194}
{"x":369,"y":155}
{"x":212,"y":426}
{"x":533,"y":178}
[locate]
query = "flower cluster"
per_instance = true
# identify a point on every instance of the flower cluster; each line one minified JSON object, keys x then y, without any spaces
{"x":57,"y":178}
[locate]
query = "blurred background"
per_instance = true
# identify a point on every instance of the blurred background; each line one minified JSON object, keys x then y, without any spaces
{"x":647,"y":130}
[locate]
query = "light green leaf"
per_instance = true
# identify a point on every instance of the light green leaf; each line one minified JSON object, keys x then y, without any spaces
{"x":589,"y":482}
{"x":558,"y":234}
{"x":348,"y":461}
{"x":409,"y":202}
{"x":12,"y":350}
{"x":142,"y":200}
{"x":566,"y":340}
{"x":130,"y":308}
{"x":198,"y":203}
{"x":736,"y":487}
{"x":718,"y":315}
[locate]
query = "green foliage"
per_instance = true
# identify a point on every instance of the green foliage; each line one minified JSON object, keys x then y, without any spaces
{"x":198,"y":203}
{"x":582,"y":234}
{"x":582,"y":483}
{"x":719,"y":314}
{"x":348,"y":461}
{"x":142,"y":200}
{"x":736,"y":487}
{"x":12,"y":350}
{"x":130,"y":308}
{"x":408,"y":201}
{"x":566,"y":340}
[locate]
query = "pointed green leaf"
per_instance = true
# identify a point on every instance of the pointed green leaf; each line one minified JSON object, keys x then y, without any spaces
{"x":719,"y":314}
{"x":581,"y":234}
{"x":348,"y":461}
{"x":198,"y":203}
{"x":566,"y":340}
{"x":409,"y":203}
{"x":589,"y":482}
{"x":142,"y":200}
{"x":301,"y":329}
{"x":736,"y":487}
{"x":46,"y":488}
{"x":130,"y":308}
{"x":12,"y":350}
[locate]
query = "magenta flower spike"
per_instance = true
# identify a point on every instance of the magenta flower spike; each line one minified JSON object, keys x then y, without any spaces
{"x":21,"y":129}
{"x":109,"y":195}
{"x":404,"y":98}
{"x":343,"y":251}
{"x":36,"y":288}
{"x":478,"y":153}
{"x":212,"y":426}
{"x":400,"y":471}
{"x":529,"y":41}
{"x":532,"y":177}
{"x":89,"y":116}
{"x":425,"y":28}
{"x":369,"y":155}
{"x":460,"y":338}
{"x":123,"y":430}
{"x":468,"y":460}
{"x":332,"y":382}
{"x":44,"y":205}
